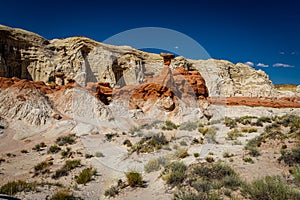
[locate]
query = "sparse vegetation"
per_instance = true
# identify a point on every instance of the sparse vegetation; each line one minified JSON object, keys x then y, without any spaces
{"x":64,"y":171}
{"x":54,"y":149}
{"x":11,"y":188}
{"x":152,"y":165}
{"x":134,"y":179}
{"x":66,"y":153}
{"x":169,"y":126}
{"x":63,"y":194}
{"x":64,"y":140}
{"x":24,"y":151}
{"x":174,"y":173}
{"x":85,"y":175}
{"x":111,"y":192}
{"x":248,"y":160}
{"x":290,"y":157}
{"x":150,"y":144}
{"x":39,"y":147}
{"x":181,"y":153}
{"x":42,"y":167}
{"x":233,"y":134}
{"x":270,"y":187}
{"x":231,"y":123}
{"x":209,"y":159}
{"x":127,"y":143}
{"x":109,"y":136}
{"x":188,"y":126}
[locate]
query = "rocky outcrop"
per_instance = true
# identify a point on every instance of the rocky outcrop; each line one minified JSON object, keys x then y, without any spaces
{"x":226,"y":79}
{"x":298,"y":91}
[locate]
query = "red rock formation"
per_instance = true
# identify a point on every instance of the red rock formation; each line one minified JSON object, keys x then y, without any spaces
{"x":101,"y":90}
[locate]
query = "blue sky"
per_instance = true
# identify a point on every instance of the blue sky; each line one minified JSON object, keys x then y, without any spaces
{"x":263,"y":33}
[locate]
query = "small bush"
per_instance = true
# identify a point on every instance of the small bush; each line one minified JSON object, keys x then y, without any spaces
{"x":134,"y":179}
{"x":231,"y":123}
{"x":183,"y":143}
{"x":234,"y":134}
{"x":24,"y":151}
{"x":109,"y":136}
{"x":181,"y":153}
{"x":63,"y":195}
{"x":54,"y":149}
{"x":227,"y":155}
{"x":66,"y":153}
{"x":196,"y":155}
{"x":249,"y":130}
{"x":39,"y":147}
{"x":296,"y":174}
{"x":99,"y":154}
{"x":42,"y":167}
{"x":188,"y":126}
{"x":150,"y":144}
{"x":11,"y":188}
{"x":290,"y":157}
{"x":248,"y":160}
{"x":60,"y":173}
{"x":2,"y":160}
{"x":215,"y":171}
{"x":169,"y":126}
{"x":209,"y":159}
{"x":174,"y":173}
{"x":72,"y":164}
{"x":127,"y":143}
{"x":87,"y":155}
{"x":270,"y":187}
{"x":152,"y":165}
{"x":111,"y":192}
{"x":254,"y":152}
{"x":85,"y":175}
{"x":63,"y":140}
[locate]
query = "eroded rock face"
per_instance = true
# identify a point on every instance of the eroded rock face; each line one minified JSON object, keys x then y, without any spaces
{"x":226,"y":79}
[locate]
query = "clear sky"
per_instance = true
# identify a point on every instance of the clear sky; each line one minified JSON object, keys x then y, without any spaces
{"x":266,"y":34}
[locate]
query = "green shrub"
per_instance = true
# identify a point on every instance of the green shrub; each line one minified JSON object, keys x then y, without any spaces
{"x":66,"y":153}
{"x":248,"y":160}
{"x":234,"y":134}
{"x":60,"y":173}
{"x":99,"y":154}
{"x":127,"y":143}
{"x":87,"y":155}
{"x":109,"y":136}
{"x":290,"y":157}
{"x":249,"y":129}
{"x":24,"y":151}
{"x":152,"y":165}
{"x":63,"y":195}
{"x":111,"y":192}
{"x":85,"y":175}
{"x":227,"y":155}
{"x":254,"y":152}
{"x":11,"y":188}
{"x":54,"y":149}
{"x":42,"y":167}
{"x":72,"y":164}
{"x":265,"y":119}
{"x":150,"y":144}
{"x":63,"y":140}
{"x":169,"y":126}
{"x":134,"y":179}
{"x":68,"y":166}
{"x":270,"y":187}
{"x":209,"y":159}
{"x":209,"y":133}
{"x":188,"y":126}
{"x":215,"y":171}
{"x":196,"y":155}
{"x":231,"y":123}
{"x":174,"y":173}
{"x":296,"y":174}
{"x":181,"y":153}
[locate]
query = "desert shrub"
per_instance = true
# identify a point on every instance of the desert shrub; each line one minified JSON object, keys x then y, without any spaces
{"x":265,"y":119}
{"x":181,"y":153}
{"x":169,"y":125}
{"x":296,"y":174}
{"x":66,"y":153}
{"x":227,"y":155}
{"x":64,"y":140}
{"x":248,"y":160}
{"x":2,"y":160}
{"x":249,"y":129}
{"x":60,"y":173}
{"x":174,"y":173}
{"x":254,"y":152}
{"x":215,"y":170}
{"x":188,"y":126}
{"x":111,"y":192}
{"x":268,"y":188}
{"x":11,"y":188}
{"x":152,"y":165}
{"x":209,"y":133}
{"x":150,"y":144}
{"x":290,"y":157}
{"x":245,"y":120}
{"x":24,"y":151}
{"x":234,"y":134}
{"x":209,"y":159}
{"x":109,"y":136}
{"x":183,"y":143}
{"x":196,"y":155}
{"x":72,"y":164}
{"x":202,"y":185}
{"x":63,"y":195}
{"x":85,"y":175}
{"x":127,"y":143}
{"x":134,"y":179}
{"x":231,"y":123}
{"x":42,"y":167}
{"x":87,"y":155}
{"x":99,"y":154}
{"x":39,"y":147}
{"x":187,"y":195}
{"x":54,"y":149}
{"x":232,"y":181}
